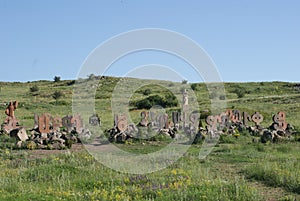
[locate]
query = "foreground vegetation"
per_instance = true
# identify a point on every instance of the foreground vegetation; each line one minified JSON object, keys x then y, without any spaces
{"x":228,"y":173}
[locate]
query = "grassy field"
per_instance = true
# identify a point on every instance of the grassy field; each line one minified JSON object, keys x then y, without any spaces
{"x":237,"y":169}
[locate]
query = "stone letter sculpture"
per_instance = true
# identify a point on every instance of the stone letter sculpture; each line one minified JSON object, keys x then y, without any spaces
{"x":11,"y":122}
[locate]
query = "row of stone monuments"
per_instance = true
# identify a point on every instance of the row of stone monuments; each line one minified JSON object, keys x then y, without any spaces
{"x":48,"y":129}
{"x":229,"y":122}
{"x":49,"y":132}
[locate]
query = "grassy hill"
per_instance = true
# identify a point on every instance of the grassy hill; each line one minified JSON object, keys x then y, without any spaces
{"x":265,"y":97}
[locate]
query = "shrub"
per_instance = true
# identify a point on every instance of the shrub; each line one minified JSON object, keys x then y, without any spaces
{"x":147,"y":92}
{"x":34,"y":88}
{"x":213,"y":95}
{"x":195,"y":87}
{"x":222,"y":97}
{"x":184,"y":82}
{"x":240,"y":92}
{"x":56,"y":79}
{"x":57,"y":95}
{"x":168,"y":101}
{"x":70,"y":82}
{"x":171,"y":84}
{"x":31,"y":145}
{"x":143,"y":104}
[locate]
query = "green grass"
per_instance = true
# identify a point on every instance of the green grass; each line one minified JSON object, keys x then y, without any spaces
{"x":226,"y":174}
{"x":78,"y":177}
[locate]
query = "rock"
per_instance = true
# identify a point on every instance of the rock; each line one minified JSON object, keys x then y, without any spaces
{"x":58,"y":145}
{"x":120,"y":138}
{"x":94,"y":120}
{"x":19,"y":133}
{"x":267,"y":136}
{"x":19,"y":144}
{"x":41,"y":146}
{"x":84,"y":134}
{"x":44,"y":135}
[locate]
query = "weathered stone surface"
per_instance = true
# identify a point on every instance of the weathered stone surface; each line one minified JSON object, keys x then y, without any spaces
{"x":10,"y":124}
{"x":11,"y":121}
{"x":19,"y":144}
{"x":77,"y":122}
{"x":163,"y":121}
{"x":224,"y":120}
{"x":67,"y":122}
{"x":56,"y":123}
{"x":194,"y":118}
{"x":94,"y":120}
{"x":185,"y":106}
{"x":36,"y":121}
{"x":257,"y":118}
{"x":12,"y":106}
{"x":121,"y":137}
{"x":44,"y":135}
{"x":84,"y":134}
{"x":20,"y":134}
{"x":144,"y":119}
{"x":246,"y":118}
{"x":44,"y":123}
{"x":212,"y":122}
{"x":236,"y":116}
{"x":280,"y":121}
{"x":176,"y":117}
{"x":121,"y":122}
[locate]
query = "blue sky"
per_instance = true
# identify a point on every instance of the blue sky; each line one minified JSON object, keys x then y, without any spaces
{"x":247,"y":40}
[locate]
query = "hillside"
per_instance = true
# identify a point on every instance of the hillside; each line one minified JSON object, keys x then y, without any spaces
{"x":265,"y":97}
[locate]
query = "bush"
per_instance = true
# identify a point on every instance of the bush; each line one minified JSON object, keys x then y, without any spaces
{"x":57,"y":95}
{"x":195,"y":87}
{"x":168,"y":101}
{"x":240,"y":92}
{"x":147,"y":92}
{"x":56,"y":79}
{"x":222,"y":97}
{"x":171,"y":84}
{"x":31,"y":145}
{"x":213,"y":95}
{"x":34,"y":88}
{"x":143,"y":104}
{"x":184,"y":82}
{"x":71,"y":83}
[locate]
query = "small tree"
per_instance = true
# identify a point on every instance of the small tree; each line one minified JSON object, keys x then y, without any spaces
{"x":57,"y":95}
{"x":56,"y":79}
{"x":184,"y":82}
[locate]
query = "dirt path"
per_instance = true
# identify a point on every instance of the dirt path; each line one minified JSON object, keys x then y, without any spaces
{"x":263,"y":97}
{"x":40,"y":153}
{"x":231,"y":171}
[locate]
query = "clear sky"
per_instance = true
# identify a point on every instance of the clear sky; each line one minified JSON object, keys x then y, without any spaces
{"x":248,"y":40}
